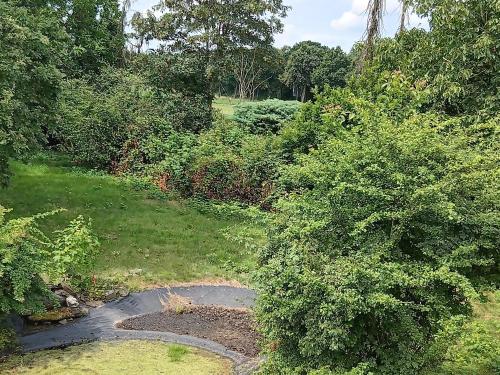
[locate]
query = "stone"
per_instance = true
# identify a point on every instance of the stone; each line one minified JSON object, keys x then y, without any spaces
{"x":64,"y":321}
{"x":61,"y":292}
{"x":111,"y":295}
{"x":72,"y":301}
{"x":94,"y":303}
{"x":135,"y":272}
{"x":57,"y":315}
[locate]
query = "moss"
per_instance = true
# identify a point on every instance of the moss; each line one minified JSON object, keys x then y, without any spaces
{"x":55,"y":315}
{"x":110,"y":358}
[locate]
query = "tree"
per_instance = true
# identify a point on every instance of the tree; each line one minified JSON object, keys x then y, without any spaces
{"x":333,"y":70}
{"x":456,"y":58}
{"x":253,"y":69}
{"x":141,"y":25}
{"x":216,"y":30}
{"x":96,"y":31}
{"x":303,"y":60}
{"x":32,"y":48}
{"x":376,"y":11}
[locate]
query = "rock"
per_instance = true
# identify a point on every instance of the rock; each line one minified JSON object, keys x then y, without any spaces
{"x":123,"y":292}
{"x":111,"y":295}
{"x":95,"y":303}
{"x":72,"y":301}
{"x":64,"y":321}
{"x":57,"y":315}
{"x":135,"y":272}
{"x":62,"y":293}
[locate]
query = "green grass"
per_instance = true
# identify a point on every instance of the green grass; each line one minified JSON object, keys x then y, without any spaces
{"x":226,"y":104}
{"x":478,"y":349}
{"x":116,"y":358}
{"x":169,"y":240}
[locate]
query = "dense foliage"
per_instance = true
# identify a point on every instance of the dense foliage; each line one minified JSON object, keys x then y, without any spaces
{"x":458,"y":58}
{"x":383,"y":186}
{"x":31,"y":48}
{"x":265,"y":116}
{"x":29,"y":258}
{"x":386,"y":230}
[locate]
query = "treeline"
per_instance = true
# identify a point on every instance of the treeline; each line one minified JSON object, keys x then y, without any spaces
{"x":286,"y":73}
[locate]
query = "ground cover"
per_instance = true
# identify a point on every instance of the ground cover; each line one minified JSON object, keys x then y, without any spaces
{"x":160,"y":240}
{"x":113,"y":358}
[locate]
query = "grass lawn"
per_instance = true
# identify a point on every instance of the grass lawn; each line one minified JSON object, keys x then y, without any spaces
{"x":226,"y":104}
{"x":169,"y":240}
{"x":116,"y":358}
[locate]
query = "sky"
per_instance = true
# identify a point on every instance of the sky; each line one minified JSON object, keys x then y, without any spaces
{"x":330,"y":22}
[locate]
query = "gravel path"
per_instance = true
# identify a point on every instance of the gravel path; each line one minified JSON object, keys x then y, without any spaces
{"x":101,"y":321}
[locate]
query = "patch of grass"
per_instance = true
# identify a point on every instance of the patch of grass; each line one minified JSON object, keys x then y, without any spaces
{"x":169,"y":240}
{"x":477,"y":351}
{"x":177,"y":352}
{"x":116,"y":358}
{"x":226,"y":104}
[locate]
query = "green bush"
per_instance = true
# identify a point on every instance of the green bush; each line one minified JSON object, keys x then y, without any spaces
{"x":385,"y":232}
{"x":28,"y":257}
{"x":265,"y":117}
{"x":119,"y":119}
{"x":231,"y":164}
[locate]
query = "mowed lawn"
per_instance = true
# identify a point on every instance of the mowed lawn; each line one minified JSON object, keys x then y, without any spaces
{"x":169,"y":240}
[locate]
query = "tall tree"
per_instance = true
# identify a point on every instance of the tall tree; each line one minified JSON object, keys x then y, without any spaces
{"x":217,"y":29}
{"x":303,"y":60}
{"x":333,"y":70}
{"x":96,"y":29}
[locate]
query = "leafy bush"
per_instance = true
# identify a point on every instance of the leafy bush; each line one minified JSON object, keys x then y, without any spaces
{"x":114,"y":121}
{"x":231,"y":164}
{"x":266,"y":116}
{"x":387,"y":230}
{"x":27,"y":256}
{"x":392,"y":96}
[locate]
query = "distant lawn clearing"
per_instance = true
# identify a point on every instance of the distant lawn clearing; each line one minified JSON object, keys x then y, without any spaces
{"x":168,"y":240}
{"x":116,"y":358}
{"x":226,"y":104}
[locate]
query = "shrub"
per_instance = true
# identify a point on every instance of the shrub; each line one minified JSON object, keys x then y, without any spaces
{"x":391,"y":96}
{"x":27,"y":256}
{"x":266,"y":116}
{"x":112,"y":122}
{"x":387,"y":231}
{"x":231,"y":164}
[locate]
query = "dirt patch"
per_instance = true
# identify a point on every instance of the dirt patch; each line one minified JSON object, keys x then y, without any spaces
{"x":233,"y":328}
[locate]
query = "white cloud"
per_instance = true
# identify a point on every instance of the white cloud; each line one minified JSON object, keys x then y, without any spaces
{"x":347,"y":20}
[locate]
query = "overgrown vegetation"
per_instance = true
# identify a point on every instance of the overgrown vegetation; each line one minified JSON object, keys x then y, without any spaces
{"x":380,"y":195}
{"x":28,"y":256}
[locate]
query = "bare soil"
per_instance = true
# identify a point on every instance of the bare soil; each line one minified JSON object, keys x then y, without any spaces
{"x":233,"y":328}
